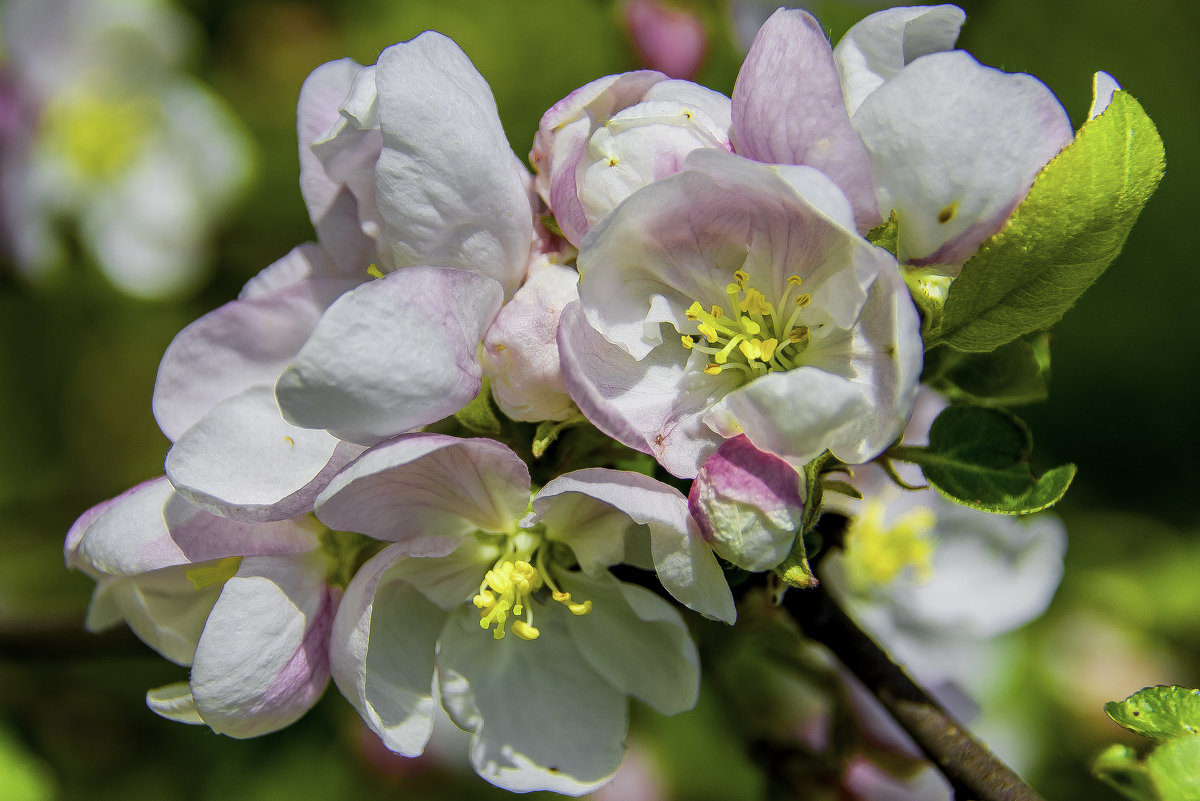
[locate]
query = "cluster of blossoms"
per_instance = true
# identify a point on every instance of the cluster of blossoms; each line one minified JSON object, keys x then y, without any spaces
{"x":684,"y":276}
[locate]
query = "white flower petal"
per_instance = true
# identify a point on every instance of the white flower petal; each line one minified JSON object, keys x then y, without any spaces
{"x":242,"y":460}
{"x":880,"y":45}
{"x":542,"y":718}
{"x":450,"y":190}
{"x":429,"y":491}
{"x":637,"y":641}
{"x":174,"y":702}
{"x":395,"y":354}
{"x":263,"y":659}
{"x":954,"y":148}
{"x":244,"y":343}
{"x":1103,"y":86}
{"x":383,"y":664}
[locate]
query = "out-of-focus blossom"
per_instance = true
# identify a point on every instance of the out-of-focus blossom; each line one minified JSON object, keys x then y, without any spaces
{"x":791,"y":329}
{"x":473,"y":552}
{"x":668,"y":40}
{"x":246,"y":606}
{"x":931,"y":578}
{"x":143,"y":159}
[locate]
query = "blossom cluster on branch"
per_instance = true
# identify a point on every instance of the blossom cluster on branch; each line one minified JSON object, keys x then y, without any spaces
{"x":410,"y":455}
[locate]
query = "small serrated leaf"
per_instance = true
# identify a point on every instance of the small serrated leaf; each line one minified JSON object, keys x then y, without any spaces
{"x":1159,"y":713}
{"x":980,"y":458}
{"x":1066,"y":232}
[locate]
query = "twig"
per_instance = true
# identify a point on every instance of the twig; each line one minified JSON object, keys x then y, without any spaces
{"x":974,"y":772}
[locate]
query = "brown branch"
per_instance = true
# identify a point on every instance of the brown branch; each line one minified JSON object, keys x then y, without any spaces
{"x":974,"y":772}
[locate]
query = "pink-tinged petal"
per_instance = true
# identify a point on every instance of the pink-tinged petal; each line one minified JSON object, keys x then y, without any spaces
{"x":882,"y":356}
{"x":684,"y":562}
{"x":450,"y":190}
{"x":242,"y":460}
{"x":520,"y":351}
{"x":788,"y":109}
{"x":263,"y":659}
{"x":317,"y":110}
{"x":669,"y":40}
{"x":1103,"y":87}
{"x":383,"y":664}
{"x":795,"y":414}
{"x":84,"y":522}
{"x":636,"y":641}
{"x":532,"y":740}
{"x":680,"y":240}
{"x":244,"y":343}
{"x":152,"y":527}
{"x":562,"y":136}
{"x":880,"y":45}
{"x":655,"y":405}
{"x":395,"y":354}
{"x":955,"y":147}
{"x":428,"y":491}
{"x":747,"y":504}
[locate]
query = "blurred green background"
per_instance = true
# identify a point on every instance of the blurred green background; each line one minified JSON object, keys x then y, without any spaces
{"x":78,"y":361}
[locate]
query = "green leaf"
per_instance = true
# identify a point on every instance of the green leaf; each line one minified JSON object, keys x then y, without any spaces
{"x":478,"y":416}
{"x":1175,"y":768}
{"x":980,"y":457}
{"x":1064,"y":234}
{"x":1012,"y":374}
{"x":1159,"y":713}
{"x":1119,"y":767}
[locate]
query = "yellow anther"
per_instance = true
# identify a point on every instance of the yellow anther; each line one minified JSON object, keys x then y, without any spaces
{"x":803,"y":300}
{"x":877,"y":554}
{"x":694,"y":311}
{"x":612,"y":161}
{"x":580,"y":608}
{"x":751,"y":349}
{"x":756,"y":303}
{"x":687,"y":341}
{"x":750,"y":327}
{"x":741,"y":277}
{"x":716,"y":311}
{"x":798,"y":334}
{"x":794,"y":280}
{"x":767,"y":349}
{"x":484,"y":600}
{"x":374,"y":271}
{"x":524,"y":630}
{"x":712,"y":369}
{"x":708,"y":331}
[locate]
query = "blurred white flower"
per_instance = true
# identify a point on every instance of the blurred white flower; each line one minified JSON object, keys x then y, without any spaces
{"x":140,"y":157}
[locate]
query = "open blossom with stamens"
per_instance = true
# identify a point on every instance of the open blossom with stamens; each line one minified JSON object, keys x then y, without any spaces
{"x":787,"y":326}
{"x":501,"y":607}
{"x":247,"y":606}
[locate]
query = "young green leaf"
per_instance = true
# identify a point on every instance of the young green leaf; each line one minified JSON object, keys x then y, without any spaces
{"x":1010,"y":375}
{"x":1159,"y":713}
{"x":1175,"y":768}
{"x":1119,"y":767}
{"x":1064,"y":234}
{"x":980,"y":457}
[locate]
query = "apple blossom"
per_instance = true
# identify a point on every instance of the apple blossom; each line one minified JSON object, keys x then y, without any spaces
{"x":792,"y":329}
{"x":474,"y":559}
{"x":247,"y":606}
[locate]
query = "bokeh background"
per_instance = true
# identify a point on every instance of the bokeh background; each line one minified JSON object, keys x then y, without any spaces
{"x":78,"y":361}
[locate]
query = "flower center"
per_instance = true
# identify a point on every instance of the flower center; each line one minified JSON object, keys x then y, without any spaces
{"x":101,"y":138}
{"x":751,"y":335}
{"x":510,"y":588}
{"x":876,"y":553}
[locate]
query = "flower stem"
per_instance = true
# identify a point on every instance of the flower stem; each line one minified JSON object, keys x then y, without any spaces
{"x":973,"y":771}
